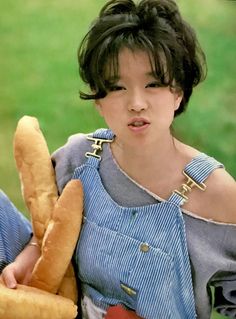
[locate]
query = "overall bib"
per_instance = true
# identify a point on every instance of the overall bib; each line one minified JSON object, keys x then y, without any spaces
{"x":135,"y":256}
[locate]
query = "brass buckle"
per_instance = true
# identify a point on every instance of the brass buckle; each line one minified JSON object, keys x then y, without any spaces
{"x":97,"y":146}
{"x":188,"y":186}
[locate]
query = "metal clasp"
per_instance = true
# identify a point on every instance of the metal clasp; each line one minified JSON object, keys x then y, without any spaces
{"x":97,"y":146}
{"x":188,"y":186}
{"x":128,"y":290}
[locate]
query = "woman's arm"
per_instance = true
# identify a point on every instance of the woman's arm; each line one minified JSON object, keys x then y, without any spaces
{"x":19,"y":271}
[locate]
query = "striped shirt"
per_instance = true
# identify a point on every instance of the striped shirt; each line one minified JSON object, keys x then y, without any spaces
{"x":15,"y":231}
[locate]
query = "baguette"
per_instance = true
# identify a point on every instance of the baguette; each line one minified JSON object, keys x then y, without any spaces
{"x":36,"y":173}
{"x":40,"y":194}
{"x":68,"y":286}
{"x":60,"y":239}
{"x":27,"y":302}
{"x":56,"y":225}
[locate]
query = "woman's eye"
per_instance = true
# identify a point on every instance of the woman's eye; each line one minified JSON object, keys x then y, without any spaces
{"x":114,"y":88}
{"x":153,"y":85}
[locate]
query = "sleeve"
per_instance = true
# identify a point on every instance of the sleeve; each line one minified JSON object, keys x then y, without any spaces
{"x":15,"y":231}
{"x":67,"y":158}
{"x":224,"y":282}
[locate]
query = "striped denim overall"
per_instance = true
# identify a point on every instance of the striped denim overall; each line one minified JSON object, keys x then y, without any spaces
{"x":135,"y":256}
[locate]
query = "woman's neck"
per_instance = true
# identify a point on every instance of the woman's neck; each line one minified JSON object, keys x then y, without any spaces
{"x":138,"y":160}
{"x":156,"y":167}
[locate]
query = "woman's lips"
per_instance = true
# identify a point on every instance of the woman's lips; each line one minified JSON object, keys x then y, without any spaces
{"x":138,"y":124}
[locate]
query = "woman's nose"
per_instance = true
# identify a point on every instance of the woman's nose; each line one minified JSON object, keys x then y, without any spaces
{"x":137,"y":102}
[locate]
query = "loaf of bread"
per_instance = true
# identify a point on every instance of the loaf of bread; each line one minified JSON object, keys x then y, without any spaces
{"x":40,"y":194}
{"x":60,"y":239}
{"x":56,"y":224}
{"x":68,"y":287}
{"x":36,"y":173}
{"x":31,"y":303}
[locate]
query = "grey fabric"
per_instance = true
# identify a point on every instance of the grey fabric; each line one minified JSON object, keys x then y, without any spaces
{"x":212,"y":246}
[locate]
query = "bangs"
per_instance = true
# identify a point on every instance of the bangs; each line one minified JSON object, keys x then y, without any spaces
{"x":104,"y":66}
{"x":154,"y":27}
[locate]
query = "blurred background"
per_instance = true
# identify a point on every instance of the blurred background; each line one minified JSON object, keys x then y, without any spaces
{"x":39,"y":77}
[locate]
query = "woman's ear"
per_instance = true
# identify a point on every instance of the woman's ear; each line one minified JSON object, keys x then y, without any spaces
{"x":178,"y":98}
{"x":98,"y":107}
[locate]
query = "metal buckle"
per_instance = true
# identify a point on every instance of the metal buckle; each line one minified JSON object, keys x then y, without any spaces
{"x":97,"y":146}
{"x":188,"y":186}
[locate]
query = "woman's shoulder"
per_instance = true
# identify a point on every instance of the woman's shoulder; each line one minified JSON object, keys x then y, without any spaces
{"x":218,"y":201}
{"x":80,"y":142}
{"x":222,"y":195}
{"x":75,"y":141}
{"x":74,"y":148}
{"x":71,"y":155}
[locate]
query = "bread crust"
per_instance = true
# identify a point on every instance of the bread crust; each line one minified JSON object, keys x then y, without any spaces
{"x":28,"y":302}
{"x":36,"y":173}
{"x":68,"y":287}
{"x":56,"y":221}
{"x":60,"y":239}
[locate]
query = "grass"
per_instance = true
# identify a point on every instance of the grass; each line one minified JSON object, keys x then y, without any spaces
{"x":39,"y":77}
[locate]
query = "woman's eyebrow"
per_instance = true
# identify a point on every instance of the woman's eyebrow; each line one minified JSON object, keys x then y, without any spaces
{"x":152,"y":74}
{"x":112,"y":79}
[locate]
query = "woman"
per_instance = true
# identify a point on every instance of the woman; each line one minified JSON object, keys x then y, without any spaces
{"x":159,"y":215}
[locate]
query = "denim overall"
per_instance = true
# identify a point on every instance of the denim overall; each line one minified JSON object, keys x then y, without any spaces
{"x":136,"y":256}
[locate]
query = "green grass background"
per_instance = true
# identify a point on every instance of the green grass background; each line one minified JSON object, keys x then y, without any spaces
{"x":38,"y":76}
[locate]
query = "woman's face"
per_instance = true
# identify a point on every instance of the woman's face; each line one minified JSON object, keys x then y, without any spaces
{"x":136,"y":108}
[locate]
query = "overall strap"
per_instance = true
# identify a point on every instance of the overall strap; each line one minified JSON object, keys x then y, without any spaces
{"x":99,"y":137}
{"x":201,"y":167}
{"x":196,"y":172}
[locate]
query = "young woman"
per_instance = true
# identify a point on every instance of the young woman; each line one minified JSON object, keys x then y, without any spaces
{"x":159,"y":216}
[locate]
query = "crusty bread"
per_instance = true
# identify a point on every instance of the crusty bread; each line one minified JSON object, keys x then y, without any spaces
{"x":56,"y":224}
{"x":60,"y":239}
{"x":40,"y":194}
{"x":31,"y":303}
{"x":68,"y":286}
{"x":36,"y":173}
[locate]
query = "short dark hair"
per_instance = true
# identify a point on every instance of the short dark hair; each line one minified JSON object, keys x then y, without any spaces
{"x":154,"y":26}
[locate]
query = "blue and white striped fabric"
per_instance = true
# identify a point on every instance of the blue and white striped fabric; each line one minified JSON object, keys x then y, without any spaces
{"x":15,"y":231}
{"x":136,"y":256}
{"x":201,"y":167}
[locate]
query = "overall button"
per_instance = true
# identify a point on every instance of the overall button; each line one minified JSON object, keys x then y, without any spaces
{"x":144,"y":247}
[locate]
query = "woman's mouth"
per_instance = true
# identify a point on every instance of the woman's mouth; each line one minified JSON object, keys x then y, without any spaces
{"x":138,"y":124}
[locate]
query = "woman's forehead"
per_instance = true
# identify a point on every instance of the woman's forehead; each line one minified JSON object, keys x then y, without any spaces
{"x":127,"y":58}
